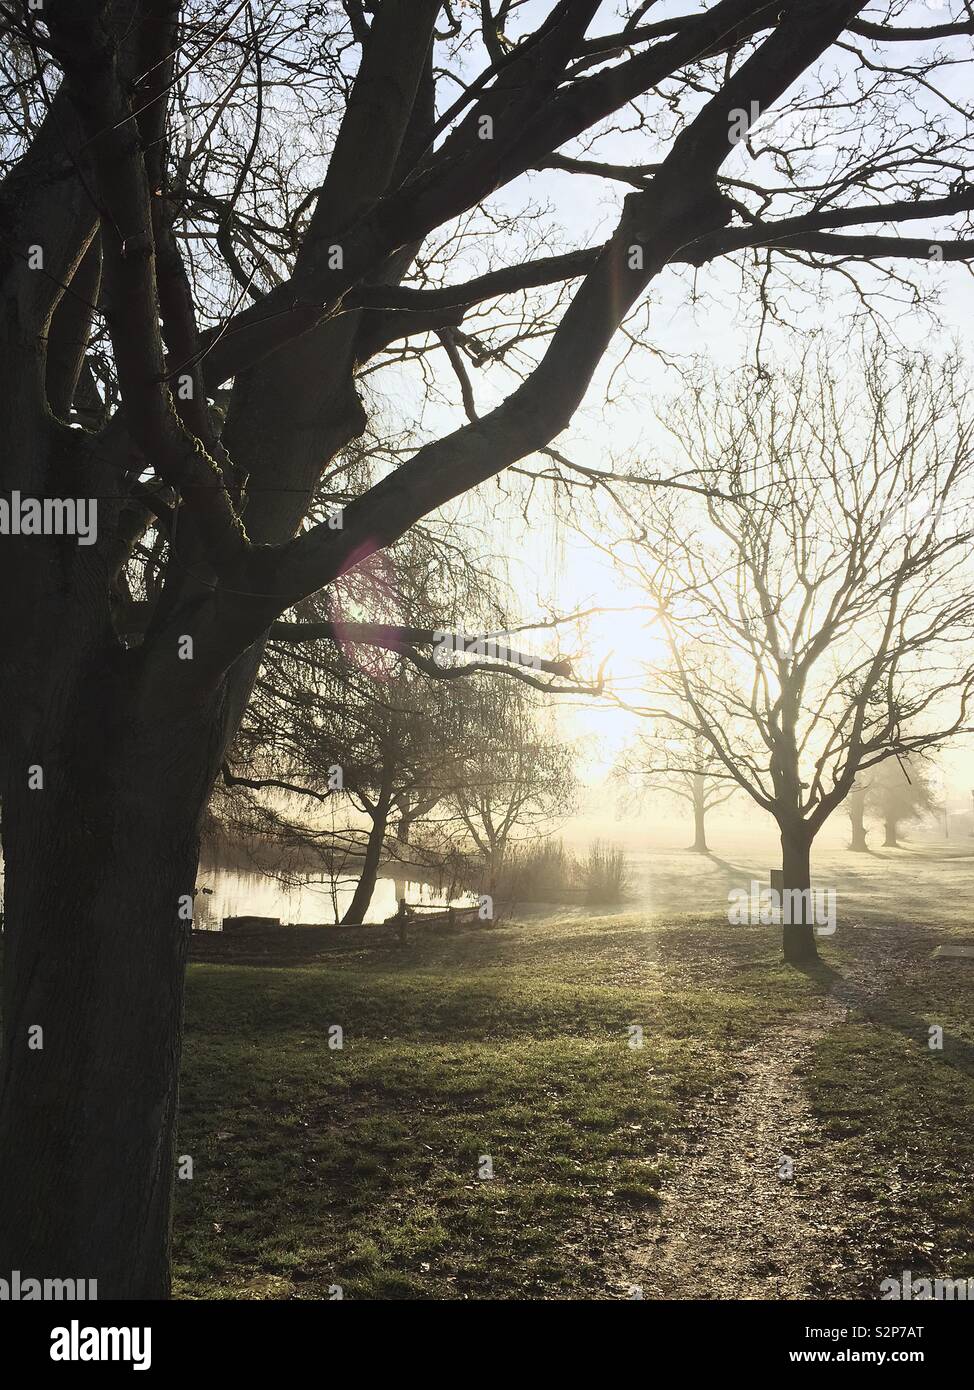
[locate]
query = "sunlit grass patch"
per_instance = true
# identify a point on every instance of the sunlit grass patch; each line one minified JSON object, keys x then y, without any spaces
{"x":899,"y":1115}
{"x":361,"y":1167}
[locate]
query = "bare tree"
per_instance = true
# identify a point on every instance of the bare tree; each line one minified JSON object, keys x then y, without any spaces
{"x":816,"y":606}
{"x":218,"y":223}
{"x":382,"y":747}
{"x":514,"y":786}
{"x":857,"y":818}
{"x":684,"y":766}
{"x":898,"y":790}
{"x":386,"y":733}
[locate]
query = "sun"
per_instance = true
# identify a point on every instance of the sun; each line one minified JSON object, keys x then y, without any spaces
{"x":623,"y":638}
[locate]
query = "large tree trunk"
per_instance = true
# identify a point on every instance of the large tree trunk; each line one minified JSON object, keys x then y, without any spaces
{"x":889,"y":840}
{"x":365,"y":887}
{"x":857,"y":806}
{"x":100,"y":866}
{"x":798,"y":936}
{"x":699,"y":816}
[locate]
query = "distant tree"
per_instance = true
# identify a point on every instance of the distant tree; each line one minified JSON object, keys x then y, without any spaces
{"x":682,"y":765}
{"x":857,"y":812}
{"x":514,"y":785}
{"x":900,"y":791}
{"x":386,"y":734}
{"x":897,"y":791}
{"x":828,"y":567}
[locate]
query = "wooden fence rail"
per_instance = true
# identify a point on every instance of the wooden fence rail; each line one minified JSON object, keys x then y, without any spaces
{"x":268,"y":941}
{"x":450,"y":917}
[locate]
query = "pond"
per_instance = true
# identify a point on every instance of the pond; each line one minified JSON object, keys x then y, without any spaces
{"x":246,"y":893}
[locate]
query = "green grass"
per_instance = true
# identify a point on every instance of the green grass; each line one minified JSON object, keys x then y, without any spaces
{"x":359,"y":1167}
{"x":315,"y":1167}
{"x":901,"y":1118}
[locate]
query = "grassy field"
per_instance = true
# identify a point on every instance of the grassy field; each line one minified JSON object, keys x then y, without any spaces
{"x":900,"y":1113}
{"x":361,"y":1167}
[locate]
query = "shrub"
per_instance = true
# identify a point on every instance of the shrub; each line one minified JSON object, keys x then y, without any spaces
{"x":605,"y":874}
{"x":548,"y":872}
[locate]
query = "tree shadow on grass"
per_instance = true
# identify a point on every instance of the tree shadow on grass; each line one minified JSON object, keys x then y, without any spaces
{"x":956,"y":1052}
{"x":734,"y":875}
{"x":820,"y":972}
{"x":917,"y":945}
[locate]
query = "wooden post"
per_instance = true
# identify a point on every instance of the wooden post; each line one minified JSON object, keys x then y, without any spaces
{"x":450,"y":918}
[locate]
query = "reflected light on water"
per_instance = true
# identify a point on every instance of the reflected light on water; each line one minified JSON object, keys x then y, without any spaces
{"x":236,"y":893}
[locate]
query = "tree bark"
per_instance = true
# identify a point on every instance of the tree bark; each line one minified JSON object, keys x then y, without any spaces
{"x":890,"y":841}
{"x":699,"y":845}
{"x":798,"y":937}
{"x":365,"y":887}
{"x":857,"y":804}
{"x":100,"y":866}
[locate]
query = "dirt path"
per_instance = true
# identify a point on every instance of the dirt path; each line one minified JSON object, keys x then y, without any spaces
{"x":732,"y":1227}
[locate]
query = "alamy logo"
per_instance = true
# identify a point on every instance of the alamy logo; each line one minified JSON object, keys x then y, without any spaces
{"x":447,"y":645}
{"x":50,"y":516}
{"x":24,"y":1290}
{"x":908,"y":1288}
{"x":759,"y":906}
{"x":77,"y":1343}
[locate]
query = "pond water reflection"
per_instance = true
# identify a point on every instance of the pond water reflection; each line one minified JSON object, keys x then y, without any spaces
{"x":240,"y":892}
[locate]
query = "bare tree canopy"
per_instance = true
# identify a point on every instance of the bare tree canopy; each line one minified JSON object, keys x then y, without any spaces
{"x":816,"y":608}
{"x":680,"y":763}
